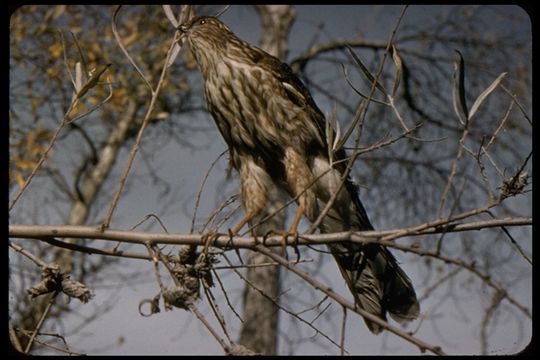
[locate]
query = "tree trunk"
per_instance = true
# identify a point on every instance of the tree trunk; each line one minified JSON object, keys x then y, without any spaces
{"x":90,"y":184}
{"x":260,"y":313}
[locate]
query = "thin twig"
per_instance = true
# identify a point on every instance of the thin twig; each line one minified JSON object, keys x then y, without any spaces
{"x":28,"y":254}
{"x":247,"y":266}
{"x":453,"y":169}
{"x":215,"y":309}
{"x":496,"y":300}
{"x":124,"y":50}
{"x":443,"y":225}
{"x":516,"y":245}
{"x":471,"y":267}
{"x":357,"y":123}
{"x":103,"y":102}
{"x":202,"y":319}
{"x":56,"y":348}
{"x":64,"y":52}
{"x":514,"y":242}
{"x":91,"y":250}
{"x":350,"y":162}
{"x":154,"y":254}
{"x":356,"y":153}
{"x":521,"y":108}
{"x":216,"y":224}
{"x":135,"y":148}
{"x":494,"y":164}
{"x":454,"y":207}
{"x":224,"y":292}
{"x":423,"y":346}
{"x":343,"y":328}
{"x":482,"y":168}
{"x":438,"y":283}
{"x":280,"y":306}
{"x":40,"y":322}
{"x":201,"y":187}
{"x":501,"y":125}
{"x":43,"y":156}
{"x":148,"y":216}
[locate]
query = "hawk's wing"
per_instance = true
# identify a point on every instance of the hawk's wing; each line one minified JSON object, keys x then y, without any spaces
{"x":300,"y":96}
{"x":297,"y":93}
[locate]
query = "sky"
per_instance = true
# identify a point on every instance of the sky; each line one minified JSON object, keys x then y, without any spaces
{"x":123,"y":331}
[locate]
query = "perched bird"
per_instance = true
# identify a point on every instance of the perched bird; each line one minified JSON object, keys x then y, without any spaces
{"x":276,"y":137}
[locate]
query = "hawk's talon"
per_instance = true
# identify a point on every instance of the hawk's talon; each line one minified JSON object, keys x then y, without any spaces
{"x":266,"y":235}
{"x":284,"y":239}
{"x":209,"y":239}
{"x":295,"y":247}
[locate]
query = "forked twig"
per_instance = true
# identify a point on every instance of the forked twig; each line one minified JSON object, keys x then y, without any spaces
{"x":155,"y":94}
{"x":124,"y":50}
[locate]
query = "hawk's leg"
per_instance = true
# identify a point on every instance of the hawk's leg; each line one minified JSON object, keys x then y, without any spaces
{"x":246,"y":219}
{"x":254,"y":182}
{"x":293,"y":231}
{"x":209,"y":238}
{"x":296,"y":220}
{"x":300,"y":182}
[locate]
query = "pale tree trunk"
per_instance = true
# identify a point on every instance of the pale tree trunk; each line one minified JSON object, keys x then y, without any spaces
{"x":89,"y":185}
{"x":260,"y":314}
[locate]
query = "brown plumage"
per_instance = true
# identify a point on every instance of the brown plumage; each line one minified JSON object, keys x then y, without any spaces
{"x":276,"y":137}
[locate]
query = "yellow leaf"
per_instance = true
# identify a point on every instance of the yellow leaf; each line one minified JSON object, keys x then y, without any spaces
{"x":23,"y":164}
{"x":43,"y":135}
{"x":34,"y":104}
{"x":130,"y":39}
{"x":75,"y":29}
{"x":160,"y":116}
{"x":94,"y":100}
{"x":55,"y":50}
{"x":78,"y":108}
{"x":52,"y":71}
{"x":19,"y":179}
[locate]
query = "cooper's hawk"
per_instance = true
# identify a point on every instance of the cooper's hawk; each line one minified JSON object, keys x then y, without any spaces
{"x":276,"y":137}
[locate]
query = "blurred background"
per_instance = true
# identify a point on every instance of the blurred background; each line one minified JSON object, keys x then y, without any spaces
{"x":401,"y":185}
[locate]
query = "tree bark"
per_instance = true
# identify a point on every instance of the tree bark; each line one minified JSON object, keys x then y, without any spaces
{"x":260,"y":313}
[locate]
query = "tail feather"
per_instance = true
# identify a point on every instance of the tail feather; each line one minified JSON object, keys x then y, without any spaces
{"x":400,"y":295}
{"x":371,"y":272}
{"x":377,"y":282}
{"x":373,"y":275}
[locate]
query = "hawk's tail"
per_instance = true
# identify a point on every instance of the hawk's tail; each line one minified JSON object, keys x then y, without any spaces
{"x":372,"y":273}
{"x":377,"y":282}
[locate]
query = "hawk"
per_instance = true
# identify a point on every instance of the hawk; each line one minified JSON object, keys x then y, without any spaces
{"x":276,"y":136}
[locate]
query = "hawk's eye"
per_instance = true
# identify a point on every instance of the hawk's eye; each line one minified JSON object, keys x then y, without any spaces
{"x":202,"y":22}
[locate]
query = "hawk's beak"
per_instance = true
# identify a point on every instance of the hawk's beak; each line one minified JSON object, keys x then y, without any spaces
{"x":183,"y":28}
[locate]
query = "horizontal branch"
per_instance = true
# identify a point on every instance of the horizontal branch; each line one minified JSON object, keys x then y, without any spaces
{"x":93,"y":232}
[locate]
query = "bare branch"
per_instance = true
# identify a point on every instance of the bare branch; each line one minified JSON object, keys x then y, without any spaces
{"x":40,"y":323}
{"x":423,"y":346}
{"x":44,"y":156}
{"x":201,"y":187}
{"x":134,"y":149}
{"x":39,"y":232}
{"x":124,"y":50}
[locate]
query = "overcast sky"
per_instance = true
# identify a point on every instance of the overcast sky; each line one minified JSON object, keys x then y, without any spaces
{"x":178,"y":332}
